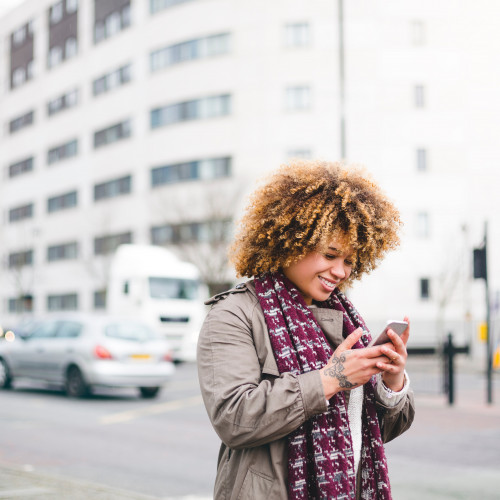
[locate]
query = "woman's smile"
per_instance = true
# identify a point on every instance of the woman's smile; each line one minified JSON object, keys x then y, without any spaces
{"x":318,"y":273}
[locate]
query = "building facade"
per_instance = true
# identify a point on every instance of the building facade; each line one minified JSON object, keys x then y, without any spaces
{"x":150,"y":121}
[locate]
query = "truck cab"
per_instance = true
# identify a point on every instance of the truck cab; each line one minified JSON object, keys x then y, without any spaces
{"x":153,"y":284}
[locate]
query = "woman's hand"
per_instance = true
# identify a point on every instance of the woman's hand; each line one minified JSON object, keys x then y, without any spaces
{"x":394,"y":366}
{"x":349,"y":368}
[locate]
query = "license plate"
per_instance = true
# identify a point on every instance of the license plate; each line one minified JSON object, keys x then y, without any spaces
{"x":141,"y":357}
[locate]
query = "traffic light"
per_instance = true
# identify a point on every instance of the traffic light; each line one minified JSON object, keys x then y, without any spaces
{"x":480,"y":268}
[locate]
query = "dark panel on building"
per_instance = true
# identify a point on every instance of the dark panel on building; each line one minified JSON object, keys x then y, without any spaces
{"x":21,"y":53}
{"x":103,"y":8}
{"x":66,"y":28}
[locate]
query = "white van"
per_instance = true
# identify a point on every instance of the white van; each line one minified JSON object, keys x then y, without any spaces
{"x":151,"y":283}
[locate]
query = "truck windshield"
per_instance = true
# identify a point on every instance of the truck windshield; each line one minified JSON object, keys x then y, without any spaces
{"x":173,"y":288}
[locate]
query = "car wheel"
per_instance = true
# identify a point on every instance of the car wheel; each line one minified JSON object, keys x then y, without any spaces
{"x":149,"y":392}
{"x":5,"y":377}
{"x":75,"y":383}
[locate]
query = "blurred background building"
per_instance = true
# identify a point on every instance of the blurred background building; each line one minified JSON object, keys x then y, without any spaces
{"x":149,"y":121}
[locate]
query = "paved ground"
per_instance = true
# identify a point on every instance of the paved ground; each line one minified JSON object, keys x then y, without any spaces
{"x":449,"y":453}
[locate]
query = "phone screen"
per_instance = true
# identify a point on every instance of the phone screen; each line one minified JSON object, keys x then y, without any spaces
{"x":398,"y":326}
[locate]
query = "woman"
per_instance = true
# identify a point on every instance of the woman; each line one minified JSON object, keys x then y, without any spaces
{"x":301,"y":405}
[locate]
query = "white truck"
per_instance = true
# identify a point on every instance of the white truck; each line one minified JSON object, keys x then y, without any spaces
{"x":153,"y":284}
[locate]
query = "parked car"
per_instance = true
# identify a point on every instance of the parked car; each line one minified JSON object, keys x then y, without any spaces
{"x":79,"y":352}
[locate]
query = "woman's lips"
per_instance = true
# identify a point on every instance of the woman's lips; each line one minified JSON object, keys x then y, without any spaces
{"x":329,"y":284}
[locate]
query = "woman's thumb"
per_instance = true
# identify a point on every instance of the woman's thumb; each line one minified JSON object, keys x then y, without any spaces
{"x":351,"y":339}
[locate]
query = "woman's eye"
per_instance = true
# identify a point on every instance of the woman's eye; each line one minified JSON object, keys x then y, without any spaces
{"x":330,"y":256}
{"x":348,"y":262}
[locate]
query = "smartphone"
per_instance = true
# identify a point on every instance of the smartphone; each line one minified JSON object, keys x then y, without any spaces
{"x":382,"y":338}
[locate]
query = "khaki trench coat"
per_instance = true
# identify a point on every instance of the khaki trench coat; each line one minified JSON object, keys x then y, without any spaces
{"x":251,"y":406}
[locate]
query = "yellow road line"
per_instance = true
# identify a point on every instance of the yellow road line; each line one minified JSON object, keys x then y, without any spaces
{"x":126,"y":416}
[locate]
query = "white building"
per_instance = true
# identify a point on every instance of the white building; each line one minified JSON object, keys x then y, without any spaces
{"x":142,"y":121}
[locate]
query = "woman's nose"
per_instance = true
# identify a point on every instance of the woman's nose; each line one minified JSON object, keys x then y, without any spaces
{"x":337,"y":269}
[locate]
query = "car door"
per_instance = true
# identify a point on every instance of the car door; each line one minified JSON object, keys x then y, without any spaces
{"x":32,"y":358}
{"x":65,"y":348}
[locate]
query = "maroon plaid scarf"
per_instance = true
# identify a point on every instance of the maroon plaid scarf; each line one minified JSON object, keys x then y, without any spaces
{"x":320,"y":456}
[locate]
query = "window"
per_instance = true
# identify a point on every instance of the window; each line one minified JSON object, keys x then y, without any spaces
{"x":113,"y":188}
{"x":18,"y":76}
{"x":71,"y":6}
{"x":195,"y":232}
{"x":20,"y":122}
{"x":21,"y":213}
{"x":29,"y":70}
{"x":62,"y":152}
{"x":62,"y":202}
{"x":421,"y":159}
{"x":20,"y":259}
{"x":56,"y":13}
{"x":297,"y":98}
{"x":69,"y":329}
{"x":21,"y":167}
{"x":213,"y":168}
{"x":208,"y":107}
{"x":70,"y":47}
{"x":112,"y":134}
{"x":299,"y":153}
{"x":55,"y":56}
{"x":115,"y":78}
{"x":419,"y":96}
{"x":193,"y":49}
{"x":425,"y":288}
{"x":158,"y":5}
{"x":19,"y":36}
{"x":125,"y":17}
{"x":417,"y":29}
{"x":422,"y":227}
{"x":113,"y":23}
{"x":21,"y":304}
{"x":100,"y":299}
{"x":104,"y":245}
{"x":62,"y":102}
{"x":99,"y":31}
{"x":66,"y":251}
{"x":297,"y":35}
{"x":65,"y":302}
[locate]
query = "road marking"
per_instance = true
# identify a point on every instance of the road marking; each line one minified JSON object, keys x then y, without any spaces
{"x":126,"y":416}
{"x":23,"y":493}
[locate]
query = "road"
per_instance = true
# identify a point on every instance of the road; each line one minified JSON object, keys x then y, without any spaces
{"x":163,"y":447}
{"x":115,"y":446}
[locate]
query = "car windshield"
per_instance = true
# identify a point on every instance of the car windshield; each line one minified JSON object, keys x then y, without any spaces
{"x":130,"y":331}
{"x":173,"y":288}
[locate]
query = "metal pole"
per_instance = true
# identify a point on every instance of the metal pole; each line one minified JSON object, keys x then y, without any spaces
{"x":489,"y":337}
{"x":341,"y":79}
{"x":451,"y":370}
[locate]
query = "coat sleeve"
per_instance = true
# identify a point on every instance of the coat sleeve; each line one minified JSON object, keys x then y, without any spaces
{"x":396,"y":419}
{"x":247,"y":404}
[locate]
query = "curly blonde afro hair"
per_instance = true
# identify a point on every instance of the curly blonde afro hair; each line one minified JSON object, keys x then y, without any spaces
{"x":305,"y":205}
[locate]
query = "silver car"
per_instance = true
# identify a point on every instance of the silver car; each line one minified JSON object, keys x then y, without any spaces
{"x":81,"y":352}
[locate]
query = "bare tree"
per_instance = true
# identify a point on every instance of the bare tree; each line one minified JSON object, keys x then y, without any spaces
{"x":202,"y":228}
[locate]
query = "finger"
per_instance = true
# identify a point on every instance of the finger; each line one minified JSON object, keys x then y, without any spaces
{"x":396,"y":340}
{"x":389,"y":354}
{"x":406,"y":334}
{"x":388,"y":366}
{"x":350,"y":340}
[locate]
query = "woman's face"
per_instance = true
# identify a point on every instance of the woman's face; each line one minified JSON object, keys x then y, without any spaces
{"x":318,"y":273}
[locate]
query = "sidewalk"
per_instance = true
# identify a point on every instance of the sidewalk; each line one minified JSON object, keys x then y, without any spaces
{"x":23,"y":483}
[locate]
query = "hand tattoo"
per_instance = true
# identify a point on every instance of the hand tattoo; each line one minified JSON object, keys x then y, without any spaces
{"x":336,"y":371}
